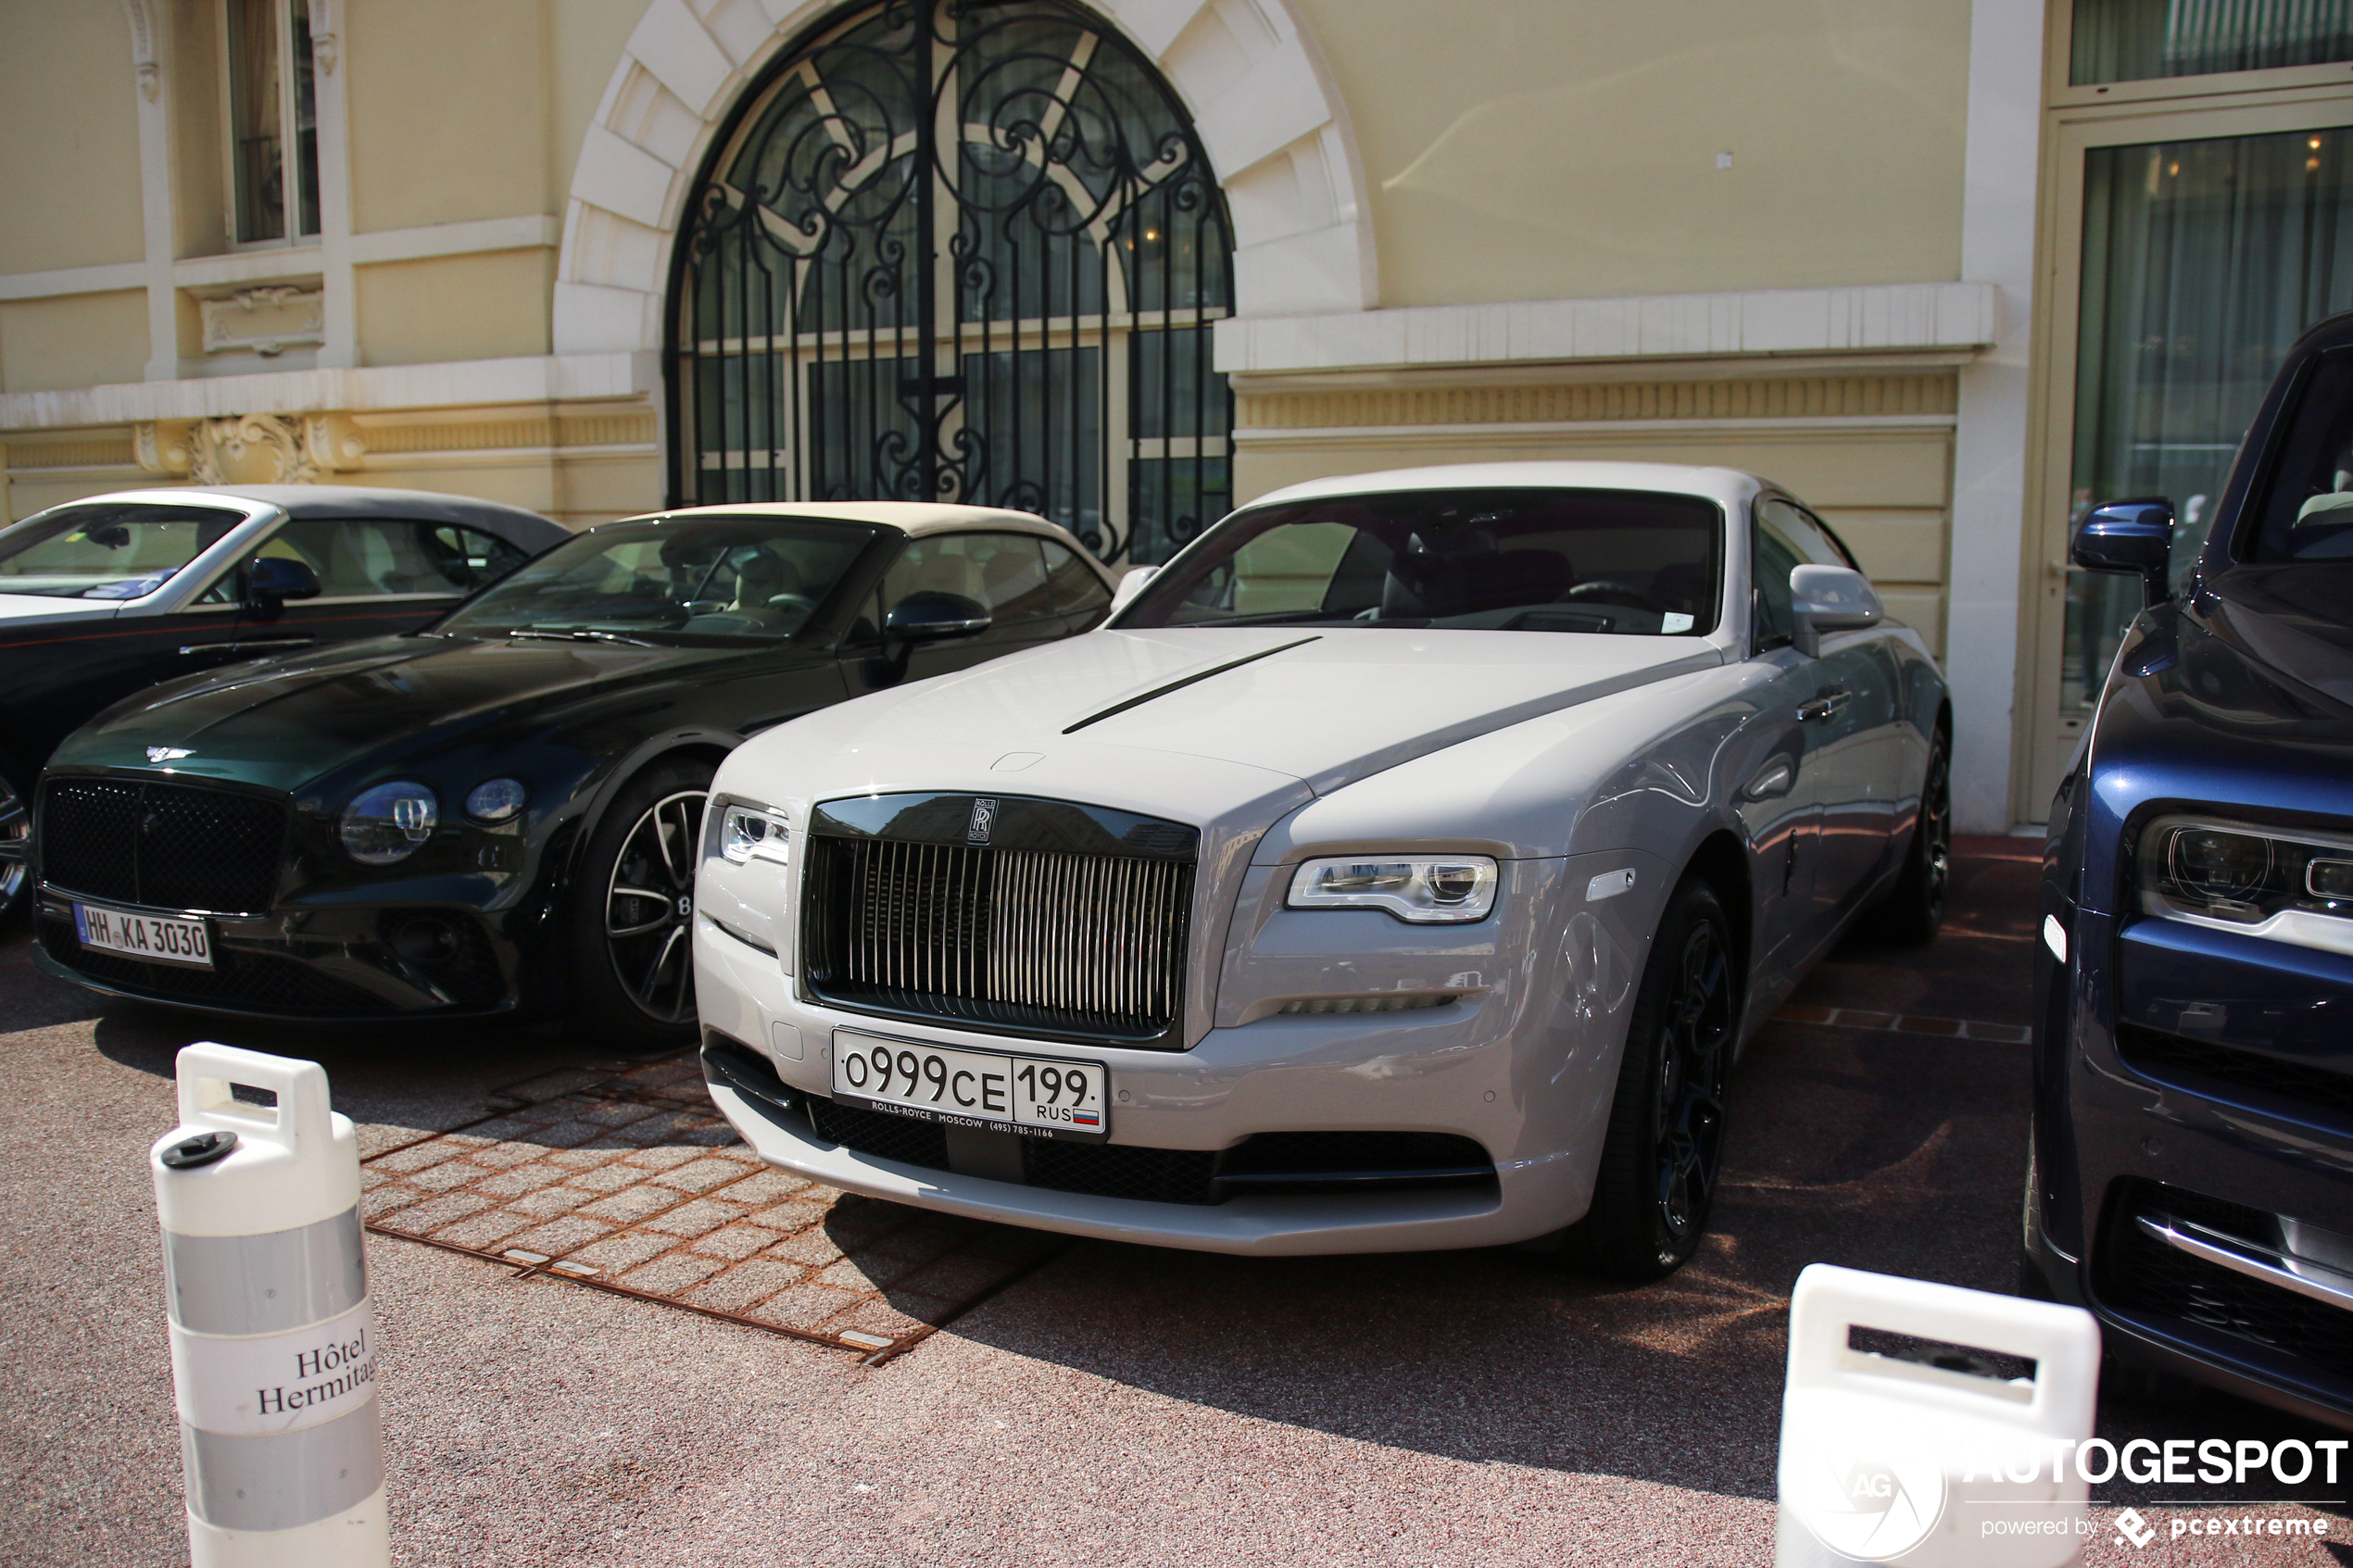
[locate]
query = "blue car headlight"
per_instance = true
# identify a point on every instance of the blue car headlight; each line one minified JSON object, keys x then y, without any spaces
{"x":2289,"y":886}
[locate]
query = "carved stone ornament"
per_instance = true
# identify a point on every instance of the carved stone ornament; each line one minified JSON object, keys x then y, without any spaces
{"x":266,"y":321}
{"x":322,"y":36}
{"x":143,"y":48}
{"x":250,"y":448}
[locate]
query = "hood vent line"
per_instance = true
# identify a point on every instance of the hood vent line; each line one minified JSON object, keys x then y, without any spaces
{"x":1118,"y":708}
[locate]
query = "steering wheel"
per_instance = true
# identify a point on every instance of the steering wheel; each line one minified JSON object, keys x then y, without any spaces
{"x":1608,"y":591}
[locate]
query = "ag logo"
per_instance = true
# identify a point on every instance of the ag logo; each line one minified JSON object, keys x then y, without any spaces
{"x":984,"y":821}
{"x":1870,"y":1497}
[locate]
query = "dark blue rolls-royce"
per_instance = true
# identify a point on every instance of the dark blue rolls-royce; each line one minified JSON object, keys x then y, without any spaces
{"x":2191,"y":1179}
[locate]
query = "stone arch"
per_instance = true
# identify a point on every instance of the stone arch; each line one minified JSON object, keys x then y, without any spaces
{"x":1275,"y":130}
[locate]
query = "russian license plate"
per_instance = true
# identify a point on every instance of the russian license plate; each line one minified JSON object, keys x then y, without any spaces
{"x":1040,"y":1097}
{"x":157,"y":938}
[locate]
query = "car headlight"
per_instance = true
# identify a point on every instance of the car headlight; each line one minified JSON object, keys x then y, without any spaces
{"x":1426,"y":889}
{"x":389,"y":822}
{"x":494,"y":800}
{"x":2292,"y":886}
{"x":746,"y":832}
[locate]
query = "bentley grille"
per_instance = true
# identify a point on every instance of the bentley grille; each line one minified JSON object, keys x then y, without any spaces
{"x":161,"y":846}
{"x":1025,"y":940}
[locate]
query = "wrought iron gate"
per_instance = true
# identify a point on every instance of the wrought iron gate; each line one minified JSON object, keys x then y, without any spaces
{"x":959,"y":251}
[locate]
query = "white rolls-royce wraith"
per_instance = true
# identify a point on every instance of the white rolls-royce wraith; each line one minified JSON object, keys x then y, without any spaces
{"x":1402,"y":866}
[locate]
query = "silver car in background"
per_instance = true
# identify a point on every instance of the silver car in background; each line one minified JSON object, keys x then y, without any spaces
{"x":1403,"y":865}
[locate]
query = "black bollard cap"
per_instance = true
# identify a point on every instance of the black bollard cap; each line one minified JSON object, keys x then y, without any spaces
{"x":202,"y":1149}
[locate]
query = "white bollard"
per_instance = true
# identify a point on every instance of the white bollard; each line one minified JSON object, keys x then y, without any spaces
{"x":273,"y":1347}
{"x":1885,"y":1460}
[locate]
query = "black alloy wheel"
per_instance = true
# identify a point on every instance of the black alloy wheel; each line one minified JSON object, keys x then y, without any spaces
{"x":1915,"y":911}
{"x":633,"y":973}
{"x":1656,"y":1182}
{"x":16,"y":841}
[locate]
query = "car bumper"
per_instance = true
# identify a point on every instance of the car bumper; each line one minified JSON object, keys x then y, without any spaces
{"x":1472,"y":1069}
{"x":327,"y":965}
{"x":2149,"y":1134}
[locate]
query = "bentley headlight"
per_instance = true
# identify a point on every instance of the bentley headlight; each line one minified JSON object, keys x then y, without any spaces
{"x":746,"y":832}
{"x":2289,"y":886}
{"x":1426,"y":889}
{"x":389,"y":822}
{"x":494,"y":800}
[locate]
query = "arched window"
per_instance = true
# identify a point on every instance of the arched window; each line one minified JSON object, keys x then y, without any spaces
{"x":964,"y":252}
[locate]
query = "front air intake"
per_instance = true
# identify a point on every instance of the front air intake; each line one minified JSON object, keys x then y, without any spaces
{"x":1069,"y":922}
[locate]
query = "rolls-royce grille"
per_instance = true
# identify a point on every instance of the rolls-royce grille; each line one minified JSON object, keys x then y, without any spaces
{"x":1022,"y":940}
{"x":161,"y":846}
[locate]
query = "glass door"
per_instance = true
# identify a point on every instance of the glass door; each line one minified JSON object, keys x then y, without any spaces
{"x":2192,"y":243}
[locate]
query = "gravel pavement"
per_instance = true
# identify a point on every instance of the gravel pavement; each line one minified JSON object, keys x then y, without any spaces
{"x":1122,"y":1405}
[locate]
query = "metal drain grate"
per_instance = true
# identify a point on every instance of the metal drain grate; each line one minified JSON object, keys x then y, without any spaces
{"x":629,"y":1180}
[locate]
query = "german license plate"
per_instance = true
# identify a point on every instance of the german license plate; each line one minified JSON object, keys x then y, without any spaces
{"x":1039,"y":1096}
{"x":157,"y":938}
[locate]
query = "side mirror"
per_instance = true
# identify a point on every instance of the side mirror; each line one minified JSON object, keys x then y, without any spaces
{"x":1130,"y":584}
{"x":2128,"y":536}
{"x":928,"y":617}
{"x":1829,"y":598}
{"x":270,"y":580}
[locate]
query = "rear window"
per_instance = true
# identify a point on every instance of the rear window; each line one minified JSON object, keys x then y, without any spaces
{"x":1610,"y":561}
{"x":107,"y":550}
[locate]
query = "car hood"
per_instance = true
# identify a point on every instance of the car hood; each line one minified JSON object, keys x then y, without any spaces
{"x":283,"y":721}
{"x":1323,"y":707}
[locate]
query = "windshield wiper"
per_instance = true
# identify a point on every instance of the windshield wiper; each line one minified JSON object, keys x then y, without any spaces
{"x":583,"y":633}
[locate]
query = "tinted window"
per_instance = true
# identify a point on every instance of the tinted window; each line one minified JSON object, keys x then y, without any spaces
{"x":383,"y":558}
{"x":110,"y":551}
{"x":1785,"y":537}
{"x":2308,"y":505}
{"x":1076,"y":589}
{"x":1006,"y":573}
{"x":681,"y":578}
{"x":1516,"y":560}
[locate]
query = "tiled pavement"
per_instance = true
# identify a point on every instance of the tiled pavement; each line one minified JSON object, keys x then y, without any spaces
{"x":632,"y":1182}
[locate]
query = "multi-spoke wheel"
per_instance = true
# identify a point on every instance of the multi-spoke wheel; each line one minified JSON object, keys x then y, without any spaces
{"x":1916,"y":909}
{"x":15,"y":840}
{"x":1657,"y":1180}
{"x":631,"y":972}
{"x":649,"y":907}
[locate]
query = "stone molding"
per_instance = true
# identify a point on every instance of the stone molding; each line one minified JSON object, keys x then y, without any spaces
{"x":266,"y":321}
{"x":1275,"y":127}
{"x":1870,"y":319}
{"x":455,"y":384}
{"x":1809,"y":397}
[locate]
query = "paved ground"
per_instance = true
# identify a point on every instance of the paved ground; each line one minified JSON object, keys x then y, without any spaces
{"x":1121,"y":1405}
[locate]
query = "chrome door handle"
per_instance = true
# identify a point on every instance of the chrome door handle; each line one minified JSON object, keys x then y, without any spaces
{"x":275,"y":645}
{"x":1825,"y":703}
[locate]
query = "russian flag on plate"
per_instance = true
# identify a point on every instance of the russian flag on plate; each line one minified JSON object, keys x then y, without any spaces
{"x":1086,"y":1119}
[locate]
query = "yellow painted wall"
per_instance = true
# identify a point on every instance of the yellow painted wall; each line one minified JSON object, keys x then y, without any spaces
{"x":483,"y":306}
{"x":192,"y":31}
{"x":584,"y":40}
{"x":448,"y":115}
{"x":1539,"y":149}
{"x":73,"y":340}
{"x":69,"y":154}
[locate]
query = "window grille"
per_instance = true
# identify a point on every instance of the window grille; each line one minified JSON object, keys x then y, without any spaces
{"x":959,"y":251}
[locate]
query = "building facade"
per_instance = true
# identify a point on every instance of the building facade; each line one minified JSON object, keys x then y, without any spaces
{"x":1949,"y":269}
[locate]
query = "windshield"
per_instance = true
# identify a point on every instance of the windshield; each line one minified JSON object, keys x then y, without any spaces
{"x":107,"y":550}
{"x":702,"y":578}
{"x":1618,"y":561}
